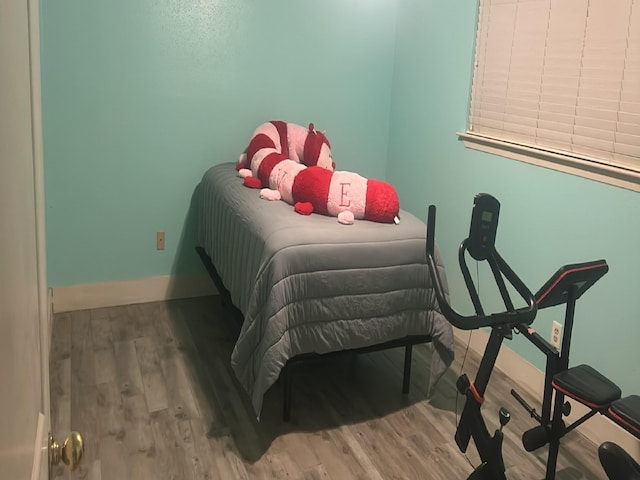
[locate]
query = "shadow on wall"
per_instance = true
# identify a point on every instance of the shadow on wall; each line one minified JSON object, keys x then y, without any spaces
{"x":188,"y":276}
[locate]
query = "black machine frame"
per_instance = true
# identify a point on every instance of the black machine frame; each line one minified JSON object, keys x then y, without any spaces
{"x":566,"y":286}
{"x":480,"y":245}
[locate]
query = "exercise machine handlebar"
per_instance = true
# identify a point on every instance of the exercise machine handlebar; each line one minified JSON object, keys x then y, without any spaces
{"x":511,"y":317}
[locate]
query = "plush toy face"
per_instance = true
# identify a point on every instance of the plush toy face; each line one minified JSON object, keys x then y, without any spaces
{"x":325,"y":160}
{"x":317,"y":150}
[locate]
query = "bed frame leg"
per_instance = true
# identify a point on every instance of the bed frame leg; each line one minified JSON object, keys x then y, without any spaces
{"x":406,"y":381}
{"x":286,"y":401}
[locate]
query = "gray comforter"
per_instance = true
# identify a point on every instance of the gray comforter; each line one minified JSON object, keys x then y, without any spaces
{"x":309,"y":284}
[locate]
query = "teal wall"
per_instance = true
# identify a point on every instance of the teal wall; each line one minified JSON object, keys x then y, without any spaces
{"x":141,"y":97}
{"x":547,"y":218}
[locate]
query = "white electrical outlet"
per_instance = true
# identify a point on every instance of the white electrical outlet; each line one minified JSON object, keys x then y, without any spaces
{"x":160,"y":240}
{"x":556,"y":334}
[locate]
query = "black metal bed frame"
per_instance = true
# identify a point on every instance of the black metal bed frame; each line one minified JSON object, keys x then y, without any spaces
{"x":287,"y":372}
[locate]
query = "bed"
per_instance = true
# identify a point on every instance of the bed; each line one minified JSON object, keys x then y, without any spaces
{"x":308,"y":286}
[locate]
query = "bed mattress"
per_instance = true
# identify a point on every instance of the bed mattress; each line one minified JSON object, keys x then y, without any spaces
{"x":310,"y":284}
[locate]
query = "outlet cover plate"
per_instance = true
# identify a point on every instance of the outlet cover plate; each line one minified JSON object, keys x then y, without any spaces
{"x":556,"y":334}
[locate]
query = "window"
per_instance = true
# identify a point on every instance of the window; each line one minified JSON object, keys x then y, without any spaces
{"x":557,"y":83}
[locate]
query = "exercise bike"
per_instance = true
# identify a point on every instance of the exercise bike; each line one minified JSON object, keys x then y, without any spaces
{"x":581,"y":383}
{"x":480,"y":244}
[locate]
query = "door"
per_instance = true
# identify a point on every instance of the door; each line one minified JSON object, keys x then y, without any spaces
{"x":24,"y":409}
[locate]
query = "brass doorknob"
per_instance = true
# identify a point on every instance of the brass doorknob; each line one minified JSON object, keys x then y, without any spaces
{"x":70,"y":452}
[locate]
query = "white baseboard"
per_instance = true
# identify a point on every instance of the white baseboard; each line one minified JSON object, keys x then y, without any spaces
{"x":529,"y":378}
{"x":109,"y":294}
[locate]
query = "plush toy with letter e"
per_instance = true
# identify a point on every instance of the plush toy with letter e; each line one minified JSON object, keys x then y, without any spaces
{"x":341,"y":194}
{"x":294,"y":164}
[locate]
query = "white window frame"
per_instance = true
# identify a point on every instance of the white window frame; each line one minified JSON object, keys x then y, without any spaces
{"x":605,"y":171}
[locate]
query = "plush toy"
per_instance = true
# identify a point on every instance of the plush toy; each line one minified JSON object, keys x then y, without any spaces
{"x":276,"y":141}
{"x":345,"y":195}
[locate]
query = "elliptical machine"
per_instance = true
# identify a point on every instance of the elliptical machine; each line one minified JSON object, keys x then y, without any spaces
{"x":480,"y":244}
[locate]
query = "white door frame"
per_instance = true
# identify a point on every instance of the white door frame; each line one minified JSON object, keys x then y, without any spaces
{"x":41,"y":464}
{"x":44,"y":301}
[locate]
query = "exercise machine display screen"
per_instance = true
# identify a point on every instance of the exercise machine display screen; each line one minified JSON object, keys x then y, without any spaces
{"x":484,"y":223}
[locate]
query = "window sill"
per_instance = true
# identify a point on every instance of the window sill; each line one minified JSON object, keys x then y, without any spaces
{"x":620,"y":177}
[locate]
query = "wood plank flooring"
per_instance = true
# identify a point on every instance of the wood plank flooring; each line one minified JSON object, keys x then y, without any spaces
{"x":151,"y":389}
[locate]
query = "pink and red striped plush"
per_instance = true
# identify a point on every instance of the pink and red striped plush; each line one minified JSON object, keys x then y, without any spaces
{"x":275,"y":141}
{"x":338,"y":193}
{"x":294,"y":164}
{"x":345,"y":195}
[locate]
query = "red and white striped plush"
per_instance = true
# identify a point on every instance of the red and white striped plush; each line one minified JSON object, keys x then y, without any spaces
{"x":341,"y":194}
{"x":276,"y":141}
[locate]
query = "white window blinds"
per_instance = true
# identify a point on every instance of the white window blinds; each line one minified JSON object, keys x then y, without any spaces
{"x":561,"y":76}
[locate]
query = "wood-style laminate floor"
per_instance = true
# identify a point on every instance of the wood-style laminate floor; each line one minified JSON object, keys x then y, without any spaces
{"x":151,"y":389}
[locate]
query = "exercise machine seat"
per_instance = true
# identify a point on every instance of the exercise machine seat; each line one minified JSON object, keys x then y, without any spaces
{"x":626,"y":412}
{"x":588,"y":386}
{"x":618,"y":464}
